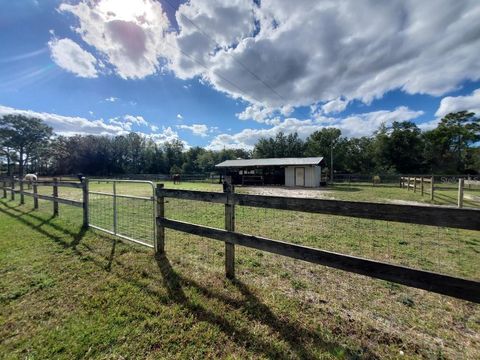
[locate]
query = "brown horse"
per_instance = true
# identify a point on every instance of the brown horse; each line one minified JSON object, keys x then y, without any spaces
{"x":176,"y":178}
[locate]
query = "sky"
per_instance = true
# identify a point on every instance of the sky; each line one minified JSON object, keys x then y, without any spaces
{"x":222,"y":74}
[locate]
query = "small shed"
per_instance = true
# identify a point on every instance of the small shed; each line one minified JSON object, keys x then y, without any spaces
{"x":299,"y":172}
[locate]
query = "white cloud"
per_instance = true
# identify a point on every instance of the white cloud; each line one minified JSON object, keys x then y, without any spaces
{"x":351,"y":126}
{"x":179,"y":116}
{"x":167,"y":135}
{"x":197,"y":129}
{"x":111,"y":99}
{"x":263,"y":114}
{"x":315,"y":51}
{"x":130,"y":35}
{"x":127,"y":122}
{"x":138,"y":120}
{"x":334,"y":106}
{"x":70,"y":56}
{"x":459,"y":103}
{"x":69,"y":125}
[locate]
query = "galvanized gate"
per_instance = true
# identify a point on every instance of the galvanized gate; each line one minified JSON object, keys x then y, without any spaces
{"x":124,"y":208}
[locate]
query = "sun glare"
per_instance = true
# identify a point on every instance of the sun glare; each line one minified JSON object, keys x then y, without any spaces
{"x":131,"y":10}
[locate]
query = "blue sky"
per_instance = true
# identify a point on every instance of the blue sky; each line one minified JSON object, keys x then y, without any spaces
{"x":223,"y":74}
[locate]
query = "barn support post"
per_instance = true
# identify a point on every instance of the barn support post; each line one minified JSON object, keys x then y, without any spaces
{"x":12,"y":194}
{"x":432,"y":188}
{"x":85,"y":201}
{"x":229,"y":189}
{"x":35,"y":196}
{"x":160,"y":233}
{"x":55,"y":196}
{"x":422,"y":185}
{"x":460,"y":192}
{"x":22,"y":196}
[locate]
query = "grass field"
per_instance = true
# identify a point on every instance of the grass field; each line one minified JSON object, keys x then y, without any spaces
{"x":68,"y":293}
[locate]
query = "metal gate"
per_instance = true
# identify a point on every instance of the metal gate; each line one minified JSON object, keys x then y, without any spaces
{"x":124,"y":208}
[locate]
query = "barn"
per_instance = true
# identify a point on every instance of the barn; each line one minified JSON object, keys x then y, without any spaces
{"x":298,"y":172}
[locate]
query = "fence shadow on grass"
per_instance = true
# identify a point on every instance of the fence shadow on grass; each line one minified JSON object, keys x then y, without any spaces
{"x":254,"y":309}
{"x":23,"y":216}
{"x":290,"y":333}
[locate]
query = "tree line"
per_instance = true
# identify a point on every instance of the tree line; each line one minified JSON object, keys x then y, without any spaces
{"x":28,"y":144}
{"x":452,"y":147}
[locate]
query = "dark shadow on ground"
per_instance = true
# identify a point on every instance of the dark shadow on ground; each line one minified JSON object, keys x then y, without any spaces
{"x":292,"y":334}
{"x":25,"y":217}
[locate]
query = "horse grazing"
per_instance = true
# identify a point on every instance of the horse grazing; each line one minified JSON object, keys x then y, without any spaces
{"x":30,"y":178}
{"x":176,"y":178}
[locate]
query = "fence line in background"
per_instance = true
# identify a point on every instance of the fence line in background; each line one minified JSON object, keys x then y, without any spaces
{"x":55,"y":199}
{"x":427,"y":215}
{"x":410,"y":182}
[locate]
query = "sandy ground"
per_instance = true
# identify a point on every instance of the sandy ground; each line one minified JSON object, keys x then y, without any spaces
{"x":289,"y":192}
{"x":309,"y":193}
{"x":406,"y":202}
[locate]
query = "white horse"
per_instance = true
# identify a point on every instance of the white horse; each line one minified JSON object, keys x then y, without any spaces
{"x":31,"y":178}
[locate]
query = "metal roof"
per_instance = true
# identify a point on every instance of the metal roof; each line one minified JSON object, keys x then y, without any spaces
{"x":243,"y":163}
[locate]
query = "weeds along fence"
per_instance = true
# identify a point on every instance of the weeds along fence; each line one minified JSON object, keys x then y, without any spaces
{"x":24,"y":188}
{"x":469,"y":219}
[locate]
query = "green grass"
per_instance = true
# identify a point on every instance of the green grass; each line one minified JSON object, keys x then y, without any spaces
{"x":70,"y":293}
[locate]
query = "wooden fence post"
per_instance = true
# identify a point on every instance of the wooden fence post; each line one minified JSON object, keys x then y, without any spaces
{"x":85,"y":201}
{"x":12,"y":195}
{"x":22,"y":196}
{"x":422,"y":185}
{"x":229,"y":189}
{"x":401,"y":182}
{"x":4,"y":189}
{"x":468,"y":182}
{"x":415,"y":184}
{"x":432,"y":188}
{"x":160,"y":236}
{"x":55,"y":195}
{"x":408,"y":184}
{"x":35,"y":196}
{"x":460,"y":192}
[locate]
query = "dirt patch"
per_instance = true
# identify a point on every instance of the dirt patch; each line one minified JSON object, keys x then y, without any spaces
{"x":471,"y":197}
{"x":406,"y":202}
{"x":288,"y":192}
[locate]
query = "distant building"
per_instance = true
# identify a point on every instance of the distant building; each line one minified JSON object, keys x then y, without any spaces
{"x":301,"y":172}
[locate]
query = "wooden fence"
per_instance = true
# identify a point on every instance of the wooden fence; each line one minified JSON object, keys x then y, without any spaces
{"x":420,"y":183}
{"x":10,"y":186}
{"x":426,"y":215}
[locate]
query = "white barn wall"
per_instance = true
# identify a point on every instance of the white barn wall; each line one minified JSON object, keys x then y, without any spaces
{"x":312,"y":176}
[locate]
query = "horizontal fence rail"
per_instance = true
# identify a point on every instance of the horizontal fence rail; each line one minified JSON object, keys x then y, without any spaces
{"x":415,"y":214}
{"x":425,"y":215}
{"x":9,"y":185}
{"x":439,"y":283}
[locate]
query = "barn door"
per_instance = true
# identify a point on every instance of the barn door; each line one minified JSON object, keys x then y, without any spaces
{"x":299,"y":176}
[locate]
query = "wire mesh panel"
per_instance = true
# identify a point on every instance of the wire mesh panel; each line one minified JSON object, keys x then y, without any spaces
{"x":440,"y":249}
{"x":123,"y":208}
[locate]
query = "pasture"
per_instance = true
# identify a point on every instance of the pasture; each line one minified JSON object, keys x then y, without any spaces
{"x":67,"y":292}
